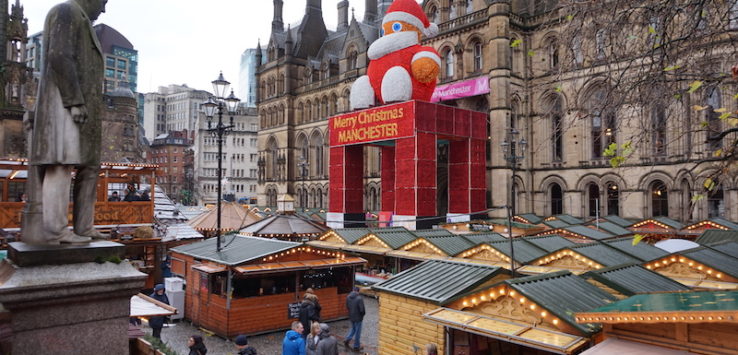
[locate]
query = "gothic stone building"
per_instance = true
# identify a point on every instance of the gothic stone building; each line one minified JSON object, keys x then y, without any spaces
{"x":15,"y":79}
{"x":519,"y":48}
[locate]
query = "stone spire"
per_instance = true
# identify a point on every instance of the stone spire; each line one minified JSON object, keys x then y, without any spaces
{"x":314,"y":6}
{"x":288,"y":43}
{"x":342,"y":15}
{"x":277,"y":23}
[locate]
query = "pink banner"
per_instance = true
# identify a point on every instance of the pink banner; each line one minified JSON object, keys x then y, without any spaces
{"x":465,"y":88}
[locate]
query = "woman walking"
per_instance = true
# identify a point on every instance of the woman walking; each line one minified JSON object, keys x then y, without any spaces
{"x":196,"y":345}
{"x":311,"y":344}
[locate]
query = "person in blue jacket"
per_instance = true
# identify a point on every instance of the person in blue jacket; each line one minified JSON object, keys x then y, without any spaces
{"x":293,"y":343}
{"x":156,"y":323}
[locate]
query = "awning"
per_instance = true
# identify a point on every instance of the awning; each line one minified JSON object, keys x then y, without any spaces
{"x":299,"y":265}
{"x":145,"y":306}
{"x":366,"y":249}
{"x":508,"y":331}
{"x":619,"y":346}
{"x":210,"y":269}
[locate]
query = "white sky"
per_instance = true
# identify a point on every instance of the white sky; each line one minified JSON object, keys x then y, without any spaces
{"x":190,"y":41}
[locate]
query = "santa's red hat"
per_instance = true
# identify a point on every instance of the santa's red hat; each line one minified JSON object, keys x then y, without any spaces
{"x":409,"y":11}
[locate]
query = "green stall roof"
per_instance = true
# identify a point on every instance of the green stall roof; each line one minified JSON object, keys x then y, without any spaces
{"x":549,"y":243}
{"x":439,"y":281}
{"x":674,"y":302}
{"x":395,"y":237}
{"x":589,"y":232}
{"x":634,"y":279}
{"x":524,"y":252}
{"x":568,"y":219}
{"x":433,"y":233}
{"x":642,"y":251}
{"x":714,"y":235}
{"x":726,"y":247}
{"x":351,"y":235}
{"x":556,"y":223}
{"x":613,"y":228}
{"x":503,"y":222}
{"x":450,"y":244}
{"x":669,"y":222}
{"x":236,"y":250}
{"x":604,"y":254}
{"x":533,"y":219}
{"x":618,"y":220}
{"x":563,"y":294}
{"x":714,"y":259}
{"x":482,"y":238}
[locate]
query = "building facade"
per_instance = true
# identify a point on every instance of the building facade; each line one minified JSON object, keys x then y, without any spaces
{"x":544,"y":82}
{"x":121,"y":59}
{"x":170,"y":152}
{"x":306,"y":78}
{"x":240,"y":158}
{"x":172,"y":108}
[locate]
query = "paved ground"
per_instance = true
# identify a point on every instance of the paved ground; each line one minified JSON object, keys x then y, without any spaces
{"x":271,"y":344}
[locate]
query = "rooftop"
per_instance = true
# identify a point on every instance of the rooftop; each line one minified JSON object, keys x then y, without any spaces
{"x":439,"y":281}
{"x":236,"y":249}
{"x":634,"y":279}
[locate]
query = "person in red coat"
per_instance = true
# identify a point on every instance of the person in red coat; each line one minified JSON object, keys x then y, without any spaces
{"x":400,"y":68}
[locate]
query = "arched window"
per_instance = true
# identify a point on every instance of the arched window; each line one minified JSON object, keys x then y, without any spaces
{"x":716,"y":202}
{"x":659,"y":199}
{"x":448,"y":62}
{"x":478,"y":56}
{"x":324,"y":108}
{"x":714,"y":125}
{"x":557,"y":130}
{"x":734,"y":16}
{"x":300,"y":112}
{"x":272,"y":155}
{"x":613,"y":199}
{"x":320,"y":198}
{"x":432,"y":14}
{"x":333,"y":105}
{"x":316,"y":154}
{"x":469,"y":6}
{"x":352,"y":59}
{"x":600,"y":43}
{"x":308,"y":114}
{"x":686,"y":201}
{"x":576,"y":48}
{"x":553,"y":54}
{"x":603,"y":123}
{"x":593,"y":199}
{"x":556,"y":196}
{"x":658,"y":129}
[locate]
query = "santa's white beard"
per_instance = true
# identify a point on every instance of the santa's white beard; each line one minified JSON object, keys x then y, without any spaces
{"x":392,"y":43}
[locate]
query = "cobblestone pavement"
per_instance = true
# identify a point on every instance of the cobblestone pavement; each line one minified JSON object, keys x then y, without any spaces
{"x":176,"y":336}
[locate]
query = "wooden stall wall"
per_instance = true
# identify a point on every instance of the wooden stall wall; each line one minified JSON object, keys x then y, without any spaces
{"x":401,"y":326}
{"x":707,"y":338}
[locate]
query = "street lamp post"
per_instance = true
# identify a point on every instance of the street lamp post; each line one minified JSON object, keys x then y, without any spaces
{"x":303,"y":164}
{"x":509,"y":149}
{"x":218,"y":104}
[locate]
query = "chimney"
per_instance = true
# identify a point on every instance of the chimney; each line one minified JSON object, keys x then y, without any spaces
{"x":277,"y":24}
{"x":370,"y":11}
{"x":342,"y":15}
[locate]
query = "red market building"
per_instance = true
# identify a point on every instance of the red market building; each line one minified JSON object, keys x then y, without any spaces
{"x":409,"y":134}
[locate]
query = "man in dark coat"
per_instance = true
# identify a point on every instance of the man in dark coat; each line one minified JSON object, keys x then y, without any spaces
{"x":156,"y":323}
{"x":327,"y":345}
{"x":66,"y":125}
{"x":355,"y":305}
{"x":308,"y":314}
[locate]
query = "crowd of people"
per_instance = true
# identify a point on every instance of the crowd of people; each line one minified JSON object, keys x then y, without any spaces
{"x":307,"y":336}
{"x":132,"y":194}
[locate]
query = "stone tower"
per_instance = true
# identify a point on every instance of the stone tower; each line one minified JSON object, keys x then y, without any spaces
{"x":13,"y":79}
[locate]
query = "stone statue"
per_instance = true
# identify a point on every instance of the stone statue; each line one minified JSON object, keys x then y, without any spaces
{"x":66,"y":127}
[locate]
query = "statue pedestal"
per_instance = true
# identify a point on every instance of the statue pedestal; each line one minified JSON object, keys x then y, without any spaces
{"x":75,"y":308}
{"x":23,"y":254}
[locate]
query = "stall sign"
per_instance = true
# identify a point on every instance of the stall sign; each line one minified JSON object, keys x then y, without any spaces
{"x":373,"y":125}
{"x":466,"y":88}
{"x":293,"y":310}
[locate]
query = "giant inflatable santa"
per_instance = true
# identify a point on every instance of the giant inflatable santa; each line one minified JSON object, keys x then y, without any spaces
{"x":400,"y":68}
